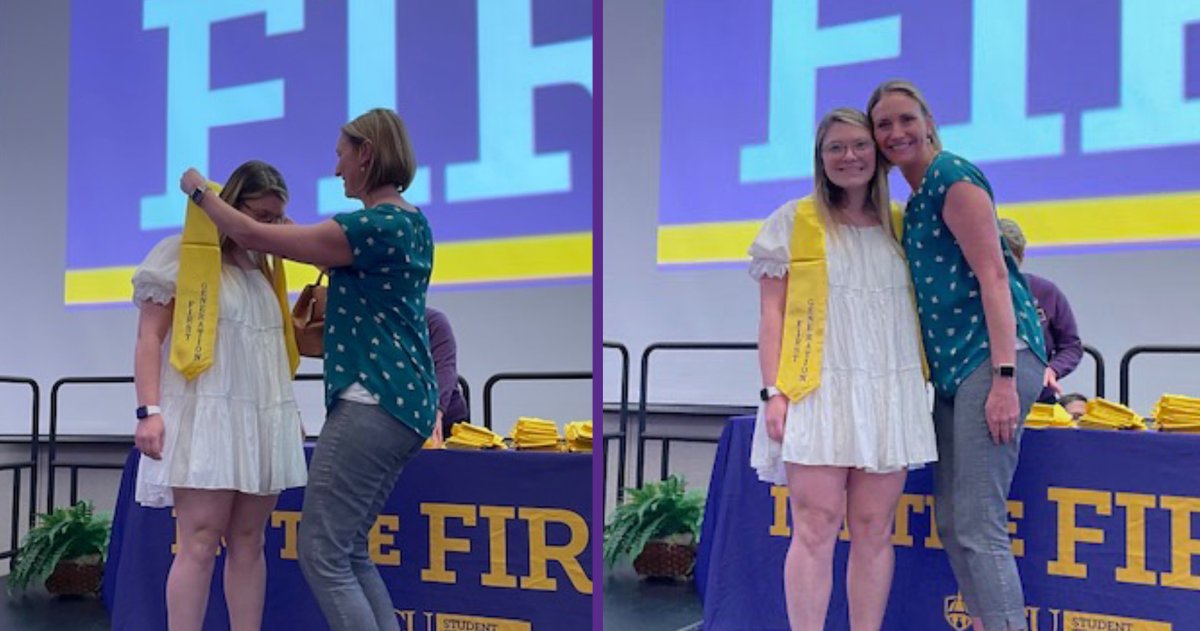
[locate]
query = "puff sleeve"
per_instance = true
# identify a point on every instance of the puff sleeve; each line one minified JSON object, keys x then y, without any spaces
{"x":154,"y":279}
{"x":770,"y":252}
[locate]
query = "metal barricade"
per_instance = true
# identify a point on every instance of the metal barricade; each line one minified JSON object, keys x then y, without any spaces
{"x":1099,"y":368}
{"x":16,"y":467}
{"x":665,"y":437}
{"x":1146,"y":350}
{"x":522,"y":376}
{"x":621,"y":435}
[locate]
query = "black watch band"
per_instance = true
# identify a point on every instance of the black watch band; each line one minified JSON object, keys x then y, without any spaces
{"x":198,"y":194}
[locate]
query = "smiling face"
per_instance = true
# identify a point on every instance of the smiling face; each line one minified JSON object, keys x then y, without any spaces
{"x":848,"y":156}
{"x":350,"y":167}
{"x":902,"y":129}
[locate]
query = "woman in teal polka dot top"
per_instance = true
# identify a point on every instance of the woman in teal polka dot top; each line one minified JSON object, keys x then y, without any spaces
{"x":983,"y":343}
{"x":380,"y":385}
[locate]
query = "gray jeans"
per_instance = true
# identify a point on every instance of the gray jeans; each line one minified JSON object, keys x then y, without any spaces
{"x":353,"y":470}
{"x":973,"y":477}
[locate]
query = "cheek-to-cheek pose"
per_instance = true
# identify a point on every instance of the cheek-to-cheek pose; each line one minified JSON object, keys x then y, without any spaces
{"x":844,"y":412}
{"x":983,"y":343}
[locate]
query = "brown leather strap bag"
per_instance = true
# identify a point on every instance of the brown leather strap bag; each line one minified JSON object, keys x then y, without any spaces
{"x":308,"y":317}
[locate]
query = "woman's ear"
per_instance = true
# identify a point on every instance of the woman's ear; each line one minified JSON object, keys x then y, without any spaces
{"x":366,"y":153}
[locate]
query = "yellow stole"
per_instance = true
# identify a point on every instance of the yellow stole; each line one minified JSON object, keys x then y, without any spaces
{"x":803,"y":341}
{"x":197,"y":291}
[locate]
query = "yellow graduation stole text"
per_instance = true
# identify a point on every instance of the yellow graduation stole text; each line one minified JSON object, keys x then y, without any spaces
{"x":807,"y":297}
{"x":804,"y":313}
{"x":197,"y":291}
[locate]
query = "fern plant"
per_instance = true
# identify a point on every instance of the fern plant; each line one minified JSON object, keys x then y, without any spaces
{"x":657,"y":510}
{"x":64,"y":534}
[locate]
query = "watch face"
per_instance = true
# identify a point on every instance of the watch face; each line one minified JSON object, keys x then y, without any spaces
{"x":763,"y":394}
{"x":141,"y":413}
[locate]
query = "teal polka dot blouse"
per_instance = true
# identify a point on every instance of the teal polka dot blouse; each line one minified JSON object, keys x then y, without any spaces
{"x":375,"y":329}
{"x":948,"y":300}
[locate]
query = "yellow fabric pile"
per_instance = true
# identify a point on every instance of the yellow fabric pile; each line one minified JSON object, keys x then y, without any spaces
{"x":468,"y":436}
{"x":1043,"y":415}
{"x":1177,"y":413}
{"x":579,"y":436}
{"x":1102,"y":414}
{"x":535,"y":434}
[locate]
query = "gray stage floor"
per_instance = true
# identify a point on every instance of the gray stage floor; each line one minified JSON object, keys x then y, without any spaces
{"x":631,"y":604}
{"x":35,"y":610}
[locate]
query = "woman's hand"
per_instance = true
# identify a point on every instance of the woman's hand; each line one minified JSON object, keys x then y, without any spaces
{"x":190,"y":181}
{"x":776,"y":415}
{"x":1002,"y":410}
{"x":1050,"y":380}
{"x":149,"y":436}
{"x":436,"y":437}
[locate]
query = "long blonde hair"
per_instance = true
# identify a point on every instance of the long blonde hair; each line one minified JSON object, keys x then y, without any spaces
{"x":252,"y":179}
{"x":830,"y":197}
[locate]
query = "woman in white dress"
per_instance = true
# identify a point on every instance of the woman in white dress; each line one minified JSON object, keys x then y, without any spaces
{"x":843,"y":448}
{"x":221,"y":446}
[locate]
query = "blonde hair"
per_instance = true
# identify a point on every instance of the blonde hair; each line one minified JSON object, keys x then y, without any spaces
{"x":251,"y":180}
{"x":392,"y":159}
{"x":907,"y":89}
{"x":829,"y":196}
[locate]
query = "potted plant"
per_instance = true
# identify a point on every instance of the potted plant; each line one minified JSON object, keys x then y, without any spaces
{"x":657,"y":526}
{"x":66,"y":550}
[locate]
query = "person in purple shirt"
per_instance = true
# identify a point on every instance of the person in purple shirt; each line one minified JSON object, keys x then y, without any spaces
{"x":1063,"y":346}
{"x":452,"y":407}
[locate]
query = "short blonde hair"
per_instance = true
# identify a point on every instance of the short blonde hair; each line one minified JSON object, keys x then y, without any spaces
{"x":907,"y":89}
{"x":392,"y":159}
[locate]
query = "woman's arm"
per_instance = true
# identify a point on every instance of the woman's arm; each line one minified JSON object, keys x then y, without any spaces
{"x":772,"y":302}
{"x":154,"y":321}
{"x":969,"y":216}
{"x":323,"y":244}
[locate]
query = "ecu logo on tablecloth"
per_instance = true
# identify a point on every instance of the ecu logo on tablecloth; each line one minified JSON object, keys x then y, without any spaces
{"x":955,"y":610}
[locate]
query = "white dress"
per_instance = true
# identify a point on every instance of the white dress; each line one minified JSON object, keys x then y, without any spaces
{"x":235,"y":426}
{"x":871,"y":410}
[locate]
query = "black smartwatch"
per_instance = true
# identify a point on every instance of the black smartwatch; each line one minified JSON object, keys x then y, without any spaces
{"x":147,"y":410}
{"x":198,"y":194}
{"x":766,"y":393}
{"x":1005,"y":371}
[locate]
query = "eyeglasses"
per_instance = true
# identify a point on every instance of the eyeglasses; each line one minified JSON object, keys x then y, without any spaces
{"x":261,"y":216}
{"x":838,"y":149}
